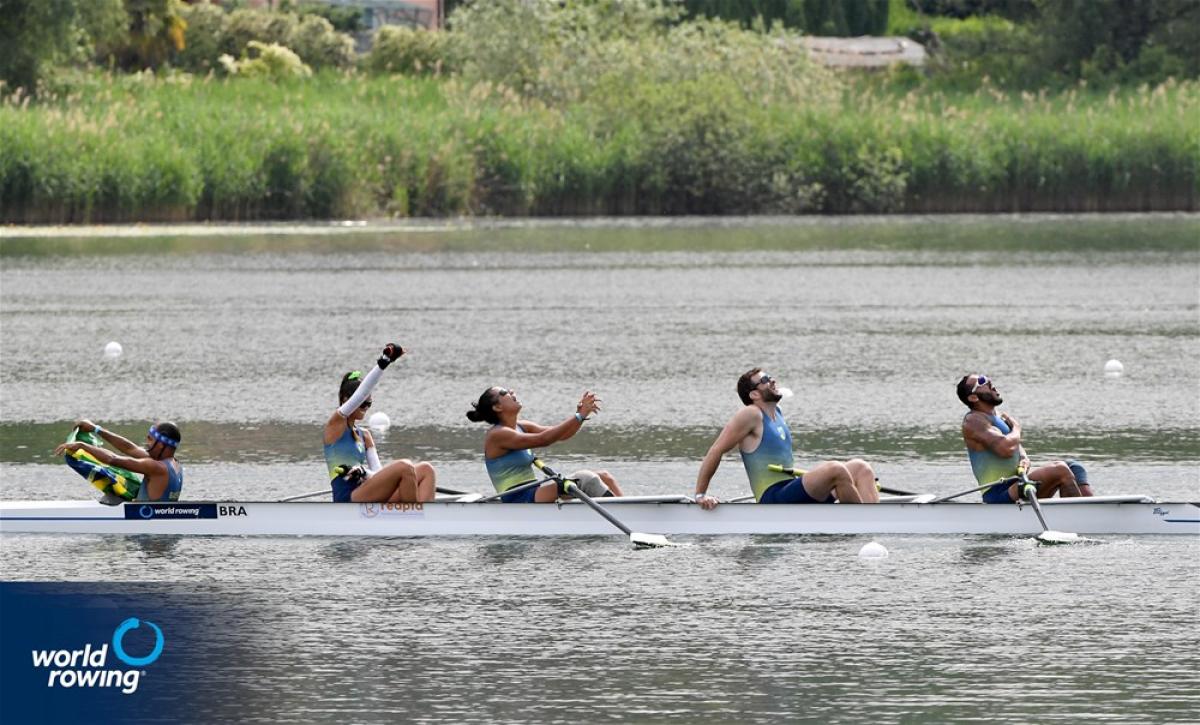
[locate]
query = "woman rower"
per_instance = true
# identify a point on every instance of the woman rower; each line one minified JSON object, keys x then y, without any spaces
{"x":506,"y":448}
{"x":355,"y":472}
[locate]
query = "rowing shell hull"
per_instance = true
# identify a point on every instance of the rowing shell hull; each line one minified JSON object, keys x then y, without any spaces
{"x":574,"y":519}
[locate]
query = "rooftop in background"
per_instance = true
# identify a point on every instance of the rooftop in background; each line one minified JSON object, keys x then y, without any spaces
{"x":864,"y":51}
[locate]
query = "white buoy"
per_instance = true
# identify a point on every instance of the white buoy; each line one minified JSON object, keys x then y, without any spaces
{"x":785,"y":393}
{"x":873,"y":550}
{"x":379,"y":421}
{"x":1113,"y":369}
{"x":113,"y":350}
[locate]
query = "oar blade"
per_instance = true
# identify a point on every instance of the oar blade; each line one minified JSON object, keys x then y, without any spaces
{"x":650,"y":541}
{"x":1052,"y":537}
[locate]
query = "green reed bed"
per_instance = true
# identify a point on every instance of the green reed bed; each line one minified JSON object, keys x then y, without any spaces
{"x":154,"y":149}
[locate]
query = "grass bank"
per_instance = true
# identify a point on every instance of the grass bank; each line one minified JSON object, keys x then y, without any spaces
{"x":134,"y":148}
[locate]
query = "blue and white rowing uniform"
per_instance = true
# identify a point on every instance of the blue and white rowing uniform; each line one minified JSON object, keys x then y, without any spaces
{"x":348,"y":451}
{"x":775,"y":448}
{"x":174,"y":484}
{"x":987,"y":467}
{"x":511,"y":470}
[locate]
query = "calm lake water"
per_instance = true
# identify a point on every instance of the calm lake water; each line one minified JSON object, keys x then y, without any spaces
{"x":242,"y":334}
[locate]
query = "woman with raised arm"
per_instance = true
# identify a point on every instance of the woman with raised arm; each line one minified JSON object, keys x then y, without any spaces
{"x":355,"y":472}
{"x":506,"y":447}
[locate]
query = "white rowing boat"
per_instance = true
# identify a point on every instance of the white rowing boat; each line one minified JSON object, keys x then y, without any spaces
{"x":660,"y":514}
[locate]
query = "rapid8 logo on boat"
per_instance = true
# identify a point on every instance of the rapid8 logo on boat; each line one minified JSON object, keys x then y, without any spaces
{"x":89,"y":667}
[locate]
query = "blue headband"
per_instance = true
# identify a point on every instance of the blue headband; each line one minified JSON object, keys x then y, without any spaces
{"x":162,"y":438}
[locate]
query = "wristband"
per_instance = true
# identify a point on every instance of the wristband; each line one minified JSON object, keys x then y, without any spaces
{"x":97,"y":429}
{"x":698,"y":496}
{"x":579,"y":417}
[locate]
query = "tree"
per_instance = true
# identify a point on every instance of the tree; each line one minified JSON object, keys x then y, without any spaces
{"x":33,"y":34}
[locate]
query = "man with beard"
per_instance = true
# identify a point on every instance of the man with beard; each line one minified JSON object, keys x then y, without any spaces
{"x":764,"y":440}
{"x":994,"y":447}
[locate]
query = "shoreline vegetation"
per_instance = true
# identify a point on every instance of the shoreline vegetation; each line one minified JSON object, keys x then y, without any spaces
{"x":599,"y":117}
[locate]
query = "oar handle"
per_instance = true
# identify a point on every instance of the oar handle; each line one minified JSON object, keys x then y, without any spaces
{"x":786,"y":469}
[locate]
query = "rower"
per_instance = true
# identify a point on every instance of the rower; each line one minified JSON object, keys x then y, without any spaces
{"x":355,"y":471}
{"x":996,"y":452}
{"x":764,"y":439}
{"x":509,"y":461}
{"x":162,"y":475}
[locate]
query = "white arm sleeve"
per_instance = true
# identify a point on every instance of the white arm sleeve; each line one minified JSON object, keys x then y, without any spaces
{"x":373,"y":464}
{"x":361,"y":394}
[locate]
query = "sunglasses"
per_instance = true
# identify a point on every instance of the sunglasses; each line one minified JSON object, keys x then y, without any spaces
{"x":764,"y":379}
{"x":981,"y":381}
{"x":366,"y":405}
{"x":501,"y":392}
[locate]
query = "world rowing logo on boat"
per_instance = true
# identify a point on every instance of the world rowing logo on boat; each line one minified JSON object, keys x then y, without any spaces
{"x":373,"y":510}
{"x":88,"y":667}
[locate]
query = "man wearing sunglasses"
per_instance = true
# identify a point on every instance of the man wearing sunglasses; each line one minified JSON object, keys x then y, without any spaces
{"x":763,"y":438}
{"x":994,"y":447}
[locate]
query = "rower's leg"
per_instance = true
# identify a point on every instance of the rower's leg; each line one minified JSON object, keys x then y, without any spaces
{"x":831,"y":477}
{"x":546,"y":493}
{"x":406,"y":486}
{"x":864,"y":480}
{"x":610,"y":482}
{"x":1052,"y":478}
{"x":426,"y":481}
{"x":1081,"y":478}
{"x":387,"y":484}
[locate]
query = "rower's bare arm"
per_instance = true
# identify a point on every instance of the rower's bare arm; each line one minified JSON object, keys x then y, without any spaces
{"x":334,"y":427}
{"x":144,"y":466}
{"x":531,"y":427}
{"x":513,"y":439}
{"x":979,"y":430}
{"x":119,"y":442}
{"x":738,"y":427}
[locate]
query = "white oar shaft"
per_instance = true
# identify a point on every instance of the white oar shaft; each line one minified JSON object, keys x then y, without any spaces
{"x":324,"y":491}
{"x":1010,"y":480}
{"x":514,"y":489}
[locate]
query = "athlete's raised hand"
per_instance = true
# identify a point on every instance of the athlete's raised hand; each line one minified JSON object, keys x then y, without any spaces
{"x":391,"y":353}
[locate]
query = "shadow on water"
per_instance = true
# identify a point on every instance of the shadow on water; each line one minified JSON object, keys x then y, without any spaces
{"x":156,"y":546}
{"x":345,"y":551}
{"x":989,"y":550}
{"x":504,"y":552}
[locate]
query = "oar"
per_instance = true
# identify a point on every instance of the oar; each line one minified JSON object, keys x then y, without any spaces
{"x":514,"y":489}
{"x":326,"y":491}
{"x":1010,"y":480}
{"x":800,"y":472}
{"x":1028,"y":490}
{"x":639,"y":540}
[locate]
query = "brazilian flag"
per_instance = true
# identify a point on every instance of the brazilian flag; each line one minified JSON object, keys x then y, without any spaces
{"x":109,"y":479}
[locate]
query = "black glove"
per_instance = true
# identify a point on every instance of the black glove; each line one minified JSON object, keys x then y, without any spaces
{"x":1026,"y":490}
{"x":391,"y":353}
{"x":353,"y":474}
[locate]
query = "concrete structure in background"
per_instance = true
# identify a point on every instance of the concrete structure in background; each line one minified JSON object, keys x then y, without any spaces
{"x":864,"y":52}
{"x":428,"y":14}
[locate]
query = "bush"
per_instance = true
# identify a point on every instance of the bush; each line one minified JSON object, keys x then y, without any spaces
{"x":397,"y":49}
{"x":207,"y":27}
{"x":266,"y":60}
{"x":315,"y":40}
{"x":248,"y":24}
{"x":311,"y":37}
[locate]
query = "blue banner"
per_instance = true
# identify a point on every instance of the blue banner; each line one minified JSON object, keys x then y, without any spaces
{"x":112,"y":652}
